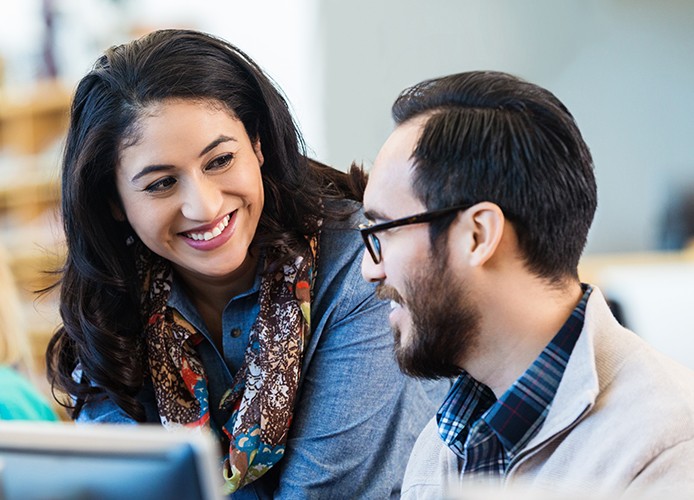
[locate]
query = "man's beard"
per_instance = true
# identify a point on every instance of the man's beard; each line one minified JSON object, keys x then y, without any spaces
{"x":445,"y":322}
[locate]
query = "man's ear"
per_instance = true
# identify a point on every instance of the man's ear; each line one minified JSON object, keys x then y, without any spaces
{"x":486,"y":225}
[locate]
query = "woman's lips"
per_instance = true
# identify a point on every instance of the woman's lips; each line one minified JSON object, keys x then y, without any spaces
{"x":215,"y":236}
{"x":213,"y":232}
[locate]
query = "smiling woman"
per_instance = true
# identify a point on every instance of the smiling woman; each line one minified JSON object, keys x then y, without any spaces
{"x":212,"y":278}
{"x":191,"y":189}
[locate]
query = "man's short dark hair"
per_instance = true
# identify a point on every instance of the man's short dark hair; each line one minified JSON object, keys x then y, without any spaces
{"x":491,"y":136}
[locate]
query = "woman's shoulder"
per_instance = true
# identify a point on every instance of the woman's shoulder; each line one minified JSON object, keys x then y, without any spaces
{"x":352,"y":218}
{"x":341,"y":248}
{"x":340,"y":242}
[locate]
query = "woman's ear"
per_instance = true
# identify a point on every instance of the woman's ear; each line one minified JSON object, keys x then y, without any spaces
{"x":487,"y":228}
{"x":117,"y":211}
{"x":258,"y":151}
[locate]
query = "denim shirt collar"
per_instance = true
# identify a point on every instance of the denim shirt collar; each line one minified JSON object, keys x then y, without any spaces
{"x":179,"y":300}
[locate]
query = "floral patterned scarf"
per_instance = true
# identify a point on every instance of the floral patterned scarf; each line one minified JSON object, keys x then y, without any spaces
{"x":262,"y":395}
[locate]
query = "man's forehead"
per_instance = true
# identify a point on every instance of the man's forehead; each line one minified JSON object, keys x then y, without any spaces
{"x":402,"y":141}
{"x":391,"y":175}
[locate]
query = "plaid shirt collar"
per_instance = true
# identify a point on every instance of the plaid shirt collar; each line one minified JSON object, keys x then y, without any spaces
{"x":487,"y":433}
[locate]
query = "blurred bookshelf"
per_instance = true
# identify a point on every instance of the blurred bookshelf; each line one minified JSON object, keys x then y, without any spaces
{"x":33,"y":123}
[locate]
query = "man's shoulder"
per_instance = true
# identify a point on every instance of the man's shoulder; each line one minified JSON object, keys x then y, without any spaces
{"x":645,"y":378}
{"x":629,"y":364}
{"x":639,"y":388}
{"x":624,"y":360}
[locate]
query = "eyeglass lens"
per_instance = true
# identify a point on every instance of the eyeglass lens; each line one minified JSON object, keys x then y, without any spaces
{"x":375,"y":245}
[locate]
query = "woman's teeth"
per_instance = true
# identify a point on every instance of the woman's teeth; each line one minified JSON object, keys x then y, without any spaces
{"x":208,"y":235}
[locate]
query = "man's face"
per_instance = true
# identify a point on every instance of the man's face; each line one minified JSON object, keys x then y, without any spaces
{"x":433,"y":317}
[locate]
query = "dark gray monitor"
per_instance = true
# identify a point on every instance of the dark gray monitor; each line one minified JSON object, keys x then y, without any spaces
{"x":60,"y":461}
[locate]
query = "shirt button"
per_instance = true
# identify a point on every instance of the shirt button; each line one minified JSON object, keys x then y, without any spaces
{"x":236,"y":332}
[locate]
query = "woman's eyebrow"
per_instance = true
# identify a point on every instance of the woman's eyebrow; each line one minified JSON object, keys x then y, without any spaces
{"x":158,"y":168}
{"x":219,"y":140}
{"x":149,"y":169}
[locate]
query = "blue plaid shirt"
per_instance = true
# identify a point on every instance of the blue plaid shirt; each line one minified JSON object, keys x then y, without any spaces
{"x":487,"y":433}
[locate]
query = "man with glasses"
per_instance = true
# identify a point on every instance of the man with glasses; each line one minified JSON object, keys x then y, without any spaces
{"x":480,"y":203}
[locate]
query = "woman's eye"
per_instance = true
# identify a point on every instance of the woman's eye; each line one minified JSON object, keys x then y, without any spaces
{"x":161,"y":185}
{"x":220,"y":162}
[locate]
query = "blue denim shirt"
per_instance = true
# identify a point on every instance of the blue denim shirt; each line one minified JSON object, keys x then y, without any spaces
{"x":357,"y":416}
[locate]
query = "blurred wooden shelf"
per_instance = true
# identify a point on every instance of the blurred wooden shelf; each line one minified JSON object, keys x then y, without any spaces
{"x":651,"y":294}
{"x":591,"y":266}
{"x":33,"y":123}
{"x":32,"y":118}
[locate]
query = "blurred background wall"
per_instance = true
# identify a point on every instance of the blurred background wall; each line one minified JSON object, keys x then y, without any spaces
{"x":622,"y":67}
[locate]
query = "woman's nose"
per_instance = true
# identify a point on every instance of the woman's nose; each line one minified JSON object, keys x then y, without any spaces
{"x":202,"y":200}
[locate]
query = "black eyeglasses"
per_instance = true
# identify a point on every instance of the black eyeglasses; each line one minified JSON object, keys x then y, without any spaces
{"x":373,"y":245}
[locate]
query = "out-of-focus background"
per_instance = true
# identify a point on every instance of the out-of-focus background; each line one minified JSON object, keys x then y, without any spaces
{"x":622,"y":67}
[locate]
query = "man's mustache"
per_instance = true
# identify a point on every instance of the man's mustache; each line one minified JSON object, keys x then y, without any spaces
{"x":385,"y":292}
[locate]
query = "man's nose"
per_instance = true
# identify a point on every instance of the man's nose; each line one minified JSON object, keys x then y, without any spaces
{"x":371,"y":271}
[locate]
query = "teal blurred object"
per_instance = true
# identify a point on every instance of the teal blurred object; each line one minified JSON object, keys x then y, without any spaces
{"x":20,"y":400}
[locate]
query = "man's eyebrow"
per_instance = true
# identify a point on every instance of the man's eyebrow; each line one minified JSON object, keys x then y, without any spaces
{"x":373,"y":215}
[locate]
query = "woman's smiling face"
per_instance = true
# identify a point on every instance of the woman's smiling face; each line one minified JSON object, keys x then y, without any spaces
{"x":191,"y":188}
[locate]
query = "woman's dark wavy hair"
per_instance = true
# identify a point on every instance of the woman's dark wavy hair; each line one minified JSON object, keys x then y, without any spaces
{"x":490,"y":136}
{"x":99,"y":295}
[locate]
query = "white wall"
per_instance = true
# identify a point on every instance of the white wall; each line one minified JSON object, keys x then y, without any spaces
{"x":279,"y":35}
{"x":624,"y":68}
